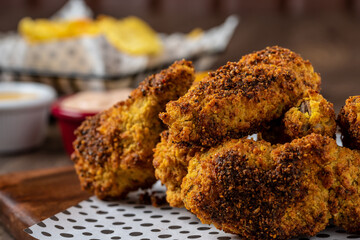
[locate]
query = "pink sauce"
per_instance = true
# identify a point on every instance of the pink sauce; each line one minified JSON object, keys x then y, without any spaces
{"x":91,"y":101}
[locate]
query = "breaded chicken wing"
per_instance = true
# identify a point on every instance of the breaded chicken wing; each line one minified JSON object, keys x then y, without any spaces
{"x":312,"y":114}
{"x":240,"y":97}
{"x":114,"y":149}
{"x":260,"y":191}
{"x":349,"y":122}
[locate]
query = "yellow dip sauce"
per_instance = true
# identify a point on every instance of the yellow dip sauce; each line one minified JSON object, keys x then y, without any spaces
{"x":12,"y":96}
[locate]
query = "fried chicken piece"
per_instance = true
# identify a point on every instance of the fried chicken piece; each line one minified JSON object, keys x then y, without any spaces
{"x":171,"y":156}
{"x":114,"y":149}
{"x":171,"y":163}
{"x":349,"y":122}
{"x":240,"y":97}
{"x":260,"y":191}
{"x":312,"y":114}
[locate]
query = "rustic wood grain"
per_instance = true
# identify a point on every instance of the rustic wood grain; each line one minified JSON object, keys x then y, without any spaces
{"x":29,"y":197}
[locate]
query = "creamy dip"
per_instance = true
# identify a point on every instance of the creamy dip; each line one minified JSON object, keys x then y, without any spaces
{"x":13,"y":96}
{"x":95,"y":101}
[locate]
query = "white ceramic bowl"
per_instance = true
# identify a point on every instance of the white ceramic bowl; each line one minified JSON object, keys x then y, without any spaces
{"x":24,"y":111}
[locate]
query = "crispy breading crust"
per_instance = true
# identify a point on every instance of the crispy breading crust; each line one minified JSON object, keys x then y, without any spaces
{"x":171,"y":162}
{"x":349,"y":122}
{"x":113,"y":150}
{"x":345,"y":190}
{"x":238,"y":98}
{"x":261,"y":191}
{"x":312,"y":114}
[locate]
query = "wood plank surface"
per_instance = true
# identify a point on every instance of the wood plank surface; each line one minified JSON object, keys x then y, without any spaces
{"x":29,"y":197}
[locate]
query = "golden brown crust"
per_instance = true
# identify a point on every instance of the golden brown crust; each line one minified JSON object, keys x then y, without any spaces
{"x":312,"y":114}
{"x":113,"y":150}
{"x":345,"y":191}
{"x":261,"y":191}
{"x":171,"y":162}
{"x":250,"y":188}
{"x":349,"y":122}
{"x":238,"y":98}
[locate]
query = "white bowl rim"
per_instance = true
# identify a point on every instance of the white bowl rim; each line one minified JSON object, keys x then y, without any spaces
{"x":45,"y":95}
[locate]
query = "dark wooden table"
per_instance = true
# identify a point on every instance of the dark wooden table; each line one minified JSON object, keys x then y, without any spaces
{"x":327,"y":32}
{"x":50,"y":155}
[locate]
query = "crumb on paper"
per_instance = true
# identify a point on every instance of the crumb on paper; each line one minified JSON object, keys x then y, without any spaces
{"x":152,"y":198}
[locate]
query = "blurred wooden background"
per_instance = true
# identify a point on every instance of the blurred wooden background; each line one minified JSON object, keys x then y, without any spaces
{"x":327,"y":32}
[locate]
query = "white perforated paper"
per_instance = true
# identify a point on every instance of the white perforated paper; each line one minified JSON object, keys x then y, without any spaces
{"x":128,"y":219}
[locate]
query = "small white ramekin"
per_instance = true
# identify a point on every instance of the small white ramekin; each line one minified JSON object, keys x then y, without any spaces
{"x":23,"y":122}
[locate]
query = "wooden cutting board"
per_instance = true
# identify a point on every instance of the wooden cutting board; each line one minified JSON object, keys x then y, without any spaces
{"x":29,"y":197}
